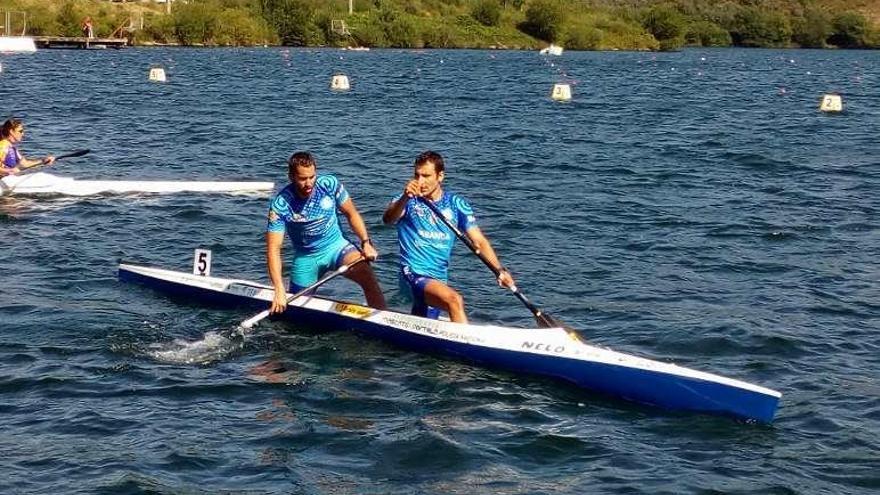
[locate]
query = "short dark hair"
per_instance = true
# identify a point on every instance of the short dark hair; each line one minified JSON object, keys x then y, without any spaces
{"x":8,"y":126}
{"x":300,"y":159}
{"x":432,"y":157}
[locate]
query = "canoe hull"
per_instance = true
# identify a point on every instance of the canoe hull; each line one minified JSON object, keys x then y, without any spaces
{"x":540,"y":351}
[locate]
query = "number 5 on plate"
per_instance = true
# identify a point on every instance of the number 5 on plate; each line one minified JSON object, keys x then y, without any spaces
{"x":202,"y":262}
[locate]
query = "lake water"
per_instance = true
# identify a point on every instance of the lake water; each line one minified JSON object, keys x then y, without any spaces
{"x":692,"y":207}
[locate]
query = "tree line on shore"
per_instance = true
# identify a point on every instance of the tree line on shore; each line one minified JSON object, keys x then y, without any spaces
{"x":522,"y":24}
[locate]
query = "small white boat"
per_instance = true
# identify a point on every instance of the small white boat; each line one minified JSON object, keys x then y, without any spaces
{"x":41,"y":183}
{"x":17,"y":44}
{"x":552,"y":50}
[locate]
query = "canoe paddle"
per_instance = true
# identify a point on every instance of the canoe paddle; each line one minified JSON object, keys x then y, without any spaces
{"x":544,"y":320}
{"x":250,"y":322}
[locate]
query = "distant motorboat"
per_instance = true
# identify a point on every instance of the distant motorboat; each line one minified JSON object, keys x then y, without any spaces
{"x":552,"y":50}
{"x":357,"y":48}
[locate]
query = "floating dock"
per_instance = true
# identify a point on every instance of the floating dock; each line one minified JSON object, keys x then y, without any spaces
{"x":79,"y":42}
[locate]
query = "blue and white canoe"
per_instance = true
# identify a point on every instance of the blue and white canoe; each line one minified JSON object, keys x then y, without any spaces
{"x":541,"y":351}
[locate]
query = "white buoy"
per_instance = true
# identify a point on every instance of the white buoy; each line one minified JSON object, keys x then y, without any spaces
{"x":831,"y":103}
{"x":561,"y":92}
{"x":1,"y":68}
{"x":157,"y":74}
{"x":340,"y":83}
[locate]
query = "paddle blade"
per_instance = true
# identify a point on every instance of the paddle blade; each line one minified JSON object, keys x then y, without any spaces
{"x":74,"y":154}
{"x":547,"y":321}
{"x":250,"y":322}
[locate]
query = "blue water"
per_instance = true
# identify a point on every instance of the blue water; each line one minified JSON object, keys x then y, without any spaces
{"x":693,"y":207}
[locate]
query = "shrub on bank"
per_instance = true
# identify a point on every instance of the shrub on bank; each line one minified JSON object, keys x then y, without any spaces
{"x":487,"y":12}
{"x":708,"y":34}
{"x":545,"y":20}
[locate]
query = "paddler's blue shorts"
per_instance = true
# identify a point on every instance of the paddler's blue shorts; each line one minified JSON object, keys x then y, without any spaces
{"x":308,"y":267}
{"x":413,"y":286}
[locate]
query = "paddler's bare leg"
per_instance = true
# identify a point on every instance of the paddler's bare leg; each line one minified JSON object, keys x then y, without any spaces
{"x":363,"y":275}
{"x":440,"y":295}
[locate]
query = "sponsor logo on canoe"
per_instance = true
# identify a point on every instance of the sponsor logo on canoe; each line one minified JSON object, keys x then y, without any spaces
{"x":540,"y":346}
{"x":430,"y":327}
{"x":244,"y":290}
{"x":352,"y":310}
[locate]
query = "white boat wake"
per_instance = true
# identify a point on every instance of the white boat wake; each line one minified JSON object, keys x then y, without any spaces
{"x":213,"y":347}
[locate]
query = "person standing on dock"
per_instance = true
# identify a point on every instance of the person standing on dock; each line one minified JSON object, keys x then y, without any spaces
{"x":307,"y":210}
{"x":11,"y":160}
{"x":426,"y":243}
{"x":87,"y":29}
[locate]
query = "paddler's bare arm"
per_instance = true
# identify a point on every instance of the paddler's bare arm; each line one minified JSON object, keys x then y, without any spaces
{"x":28,"y":163}
{"x":274,"y":241}
{"x":505,"y":279}
{"x":395,"y":210}
{"x":359,"y":228}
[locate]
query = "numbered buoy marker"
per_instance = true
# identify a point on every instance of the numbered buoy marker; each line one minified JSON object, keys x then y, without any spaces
{"x":157,"y":74}
{"x":202,"y":262}
{"x":561,"y":92}
{"x":831,"y":103}
{"x":340,"y":83}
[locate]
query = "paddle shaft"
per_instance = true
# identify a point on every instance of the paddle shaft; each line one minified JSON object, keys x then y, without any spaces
{"x":539,"y":315}
{"x":250,"y":322}
{"x":72,"y":154}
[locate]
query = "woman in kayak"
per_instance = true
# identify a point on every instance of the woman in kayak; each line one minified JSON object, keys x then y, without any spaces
{"x":11,"y":160}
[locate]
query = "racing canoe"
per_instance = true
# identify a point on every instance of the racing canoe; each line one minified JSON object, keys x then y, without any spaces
{"x":541,"y":351}
{"x":41,"y":183}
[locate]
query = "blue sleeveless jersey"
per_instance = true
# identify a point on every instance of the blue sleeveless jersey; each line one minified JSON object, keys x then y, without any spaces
{"x":311,"y":223}
{"x":12,"y":158}
{"x":425,"y":241}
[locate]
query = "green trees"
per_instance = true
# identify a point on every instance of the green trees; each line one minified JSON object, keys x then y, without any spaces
{"x":707,"y":33}
{"x":587,"y":25}
{"x":850,"y":30}
{"x":544,"y":20}
{"x":812,"y":29}
{"x":667,"y":25}
{"x":487,"y":12}
{"x":294,"y":21}
{"x":757,"y":27}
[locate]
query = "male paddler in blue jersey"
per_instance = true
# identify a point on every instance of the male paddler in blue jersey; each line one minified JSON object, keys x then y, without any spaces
{"x":11,"y":159}
{"x":307,"y":210}
{"x":426,"y":243}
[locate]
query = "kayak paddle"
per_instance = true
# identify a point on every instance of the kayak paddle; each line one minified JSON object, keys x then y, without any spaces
{"x":73,"y":154}
{"x":543,"y":319}
{"x":250,"y":322}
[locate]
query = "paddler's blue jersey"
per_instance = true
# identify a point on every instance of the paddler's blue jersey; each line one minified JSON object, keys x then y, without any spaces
{"x":425,"y":241}
{"x":11,"y":156}
{"x":311,"y":223}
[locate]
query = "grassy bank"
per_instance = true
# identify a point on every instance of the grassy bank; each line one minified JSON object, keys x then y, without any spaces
{"x":523,"y":24}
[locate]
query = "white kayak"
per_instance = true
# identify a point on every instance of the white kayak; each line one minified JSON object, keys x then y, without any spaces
{"x":41,"y":183}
